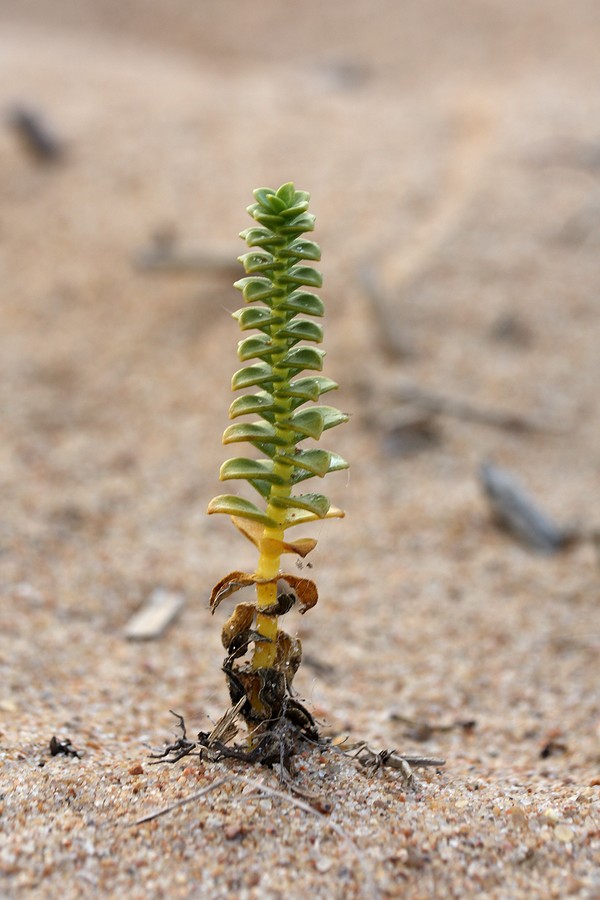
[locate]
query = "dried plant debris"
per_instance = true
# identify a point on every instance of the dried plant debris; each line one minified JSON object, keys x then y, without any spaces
{"x":374,"y":760}
{"x":276,"y":744}
{"x":63,"y":748}
{"x":518,"y":513}
{"x":35,"y":135}
{"x":293,"y":731}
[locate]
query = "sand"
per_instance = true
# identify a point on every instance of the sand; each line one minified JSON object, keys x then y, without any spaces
{"x":452,"y":153}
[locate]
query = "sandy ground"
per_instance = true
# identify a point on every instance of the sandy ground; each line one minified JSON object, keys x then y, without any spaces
{"x":453,"y":154}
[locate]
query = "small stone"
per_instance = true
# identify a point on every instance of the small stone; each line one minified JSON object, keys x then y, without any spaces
{"x":551,"y":815}
{"x":323,"y":864}
{"x":518,"y":815}
{"x":136,"y":769}
{"x":564,"y":834}
{"x":233,"y":831}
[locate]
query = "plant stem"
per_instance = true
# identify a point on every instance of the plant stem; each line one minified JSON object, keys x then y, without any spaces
{"x":269,"y":562}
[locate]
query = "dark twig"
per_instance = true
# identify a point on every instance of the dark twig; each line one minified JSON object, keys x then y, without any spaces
{"x":178,"y":749}
{"x":35,"y":135}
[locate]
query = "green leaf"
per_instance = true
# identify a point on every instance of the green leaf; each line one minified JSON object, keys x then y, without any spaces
{"x":300,"y":248}
{"x":308,"y":422}
{"x":257,"y":236}
{"x":310,"y":462}
{"x":336,"y":464}
{"x":304,"y":222}
{"x":240,"y":467}
{"x":304,"y":302}
{"x":269,"y":199}
{"x":261,"y":373}
{"x":250,"y":431}
{"x":261,"y":403}
{"x":302,"y":330}
{"x":332,"y":417}
{"x":287,"y":193}
{"x":259,"y":261}
{"x":238,"y":506}
{"x":302,"y":275}
{"x":317,"y":504}
{"x":303,"y":358}
{"x":256,"y":317}
{"x":265,"y":218}
{"x":308,"y":388}
{"x":257,"y":346}
{"x":295,"y":210}
{"x":254,"y":288}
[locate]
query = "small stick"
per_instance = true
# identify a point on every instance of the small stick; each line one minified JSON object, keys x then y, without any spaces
{"x":461,"y":409}
{"x":519,"y":513}
{"x":391,"y":339}
{"x":178,"y":803}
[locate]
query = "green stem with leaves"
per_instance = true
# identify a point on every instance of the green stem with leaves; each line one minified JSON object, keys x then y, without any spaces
{"x":277,"y":304}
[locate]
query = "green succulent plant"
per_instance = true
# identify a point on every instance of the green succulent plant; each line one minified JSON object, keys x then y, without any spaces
{"x":280,"y":313}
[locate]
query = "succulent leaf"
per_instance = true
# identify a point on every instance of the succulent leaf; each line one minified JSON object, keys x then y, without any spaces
{"x":261,"y":403}
{"x":314,"y":503}
{"x":304,"y":302}
{"x":308,"y":422}
{"x":231,"y":505}
{"x":262,"y":373}
{"x":303,"y":330}
{"x":300,"y":248}
{"x":255,"y":287}
{"x":332,"y":417}
{"x":240,"y":467}
{"x":299,"y":358}
{"x":303,"y":275}
{"x":257,"y":345}
{"x":304,"y":389}
{"x":251,"y":431}
{"x":257,"y":317}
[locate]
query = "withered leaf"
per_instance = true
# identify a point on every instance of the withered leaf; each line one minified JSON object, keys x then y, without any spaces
{"x":240,"y":621}
{"x":228,"y":586}
{"x":305,"y":589}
